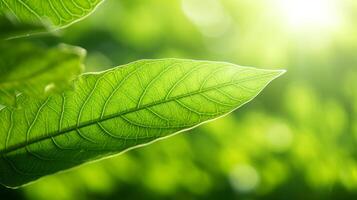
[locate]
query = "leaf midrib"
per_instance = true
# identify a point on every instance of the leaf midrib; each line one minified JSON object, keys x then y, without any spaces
{"x":115,"y":115}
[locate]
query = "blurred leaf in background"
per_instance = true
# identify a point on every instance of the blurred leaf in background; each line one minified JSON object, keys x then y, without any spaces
{"x":298,"y":140}
{"x":36,"y":70}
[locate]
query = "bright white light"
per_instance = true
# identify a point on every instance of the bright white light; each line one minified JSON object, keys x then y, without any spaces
{"x":317,"y":14}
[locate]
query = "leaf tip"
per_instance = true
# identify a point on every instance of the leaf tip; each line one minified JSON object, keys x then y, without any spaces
{"x":278,"y":73}
{"x":282,"y":71}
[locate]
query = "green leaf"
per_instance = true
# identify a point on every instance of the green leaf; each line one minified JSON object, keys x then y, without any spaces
{"x":35,"y":71}
{"x":54,"y":13}
{"x":10,"y":29}
{"x":117,"y":110}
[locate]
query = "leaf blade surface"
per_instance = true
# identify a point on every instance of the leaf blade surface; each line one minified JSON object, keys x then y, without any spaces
{"x":117,"y":110}
{"x":54,"y":13}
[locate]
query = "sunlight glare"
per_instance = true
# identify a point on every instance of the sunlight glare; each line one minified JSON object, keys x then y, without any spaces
{"x":310,"y":14}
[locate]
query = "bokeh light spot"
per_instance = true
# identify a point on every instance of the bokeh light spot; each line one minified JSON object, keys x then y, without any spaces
{"x":244,"y":178}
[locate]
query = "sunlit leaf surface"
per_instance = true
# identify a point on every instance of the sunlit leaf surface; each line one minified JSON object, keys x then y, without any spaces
{"x":117,"y":110}
{"x":55,"y":13}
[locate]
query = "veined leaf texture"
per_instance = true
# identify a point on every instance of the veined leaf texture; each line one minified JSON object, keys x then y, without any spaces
{"x":119,"y":109}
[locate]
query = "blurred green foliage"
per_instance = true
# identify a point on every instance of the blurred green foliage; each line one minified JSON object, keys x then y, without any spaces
{"x":297,"y":140}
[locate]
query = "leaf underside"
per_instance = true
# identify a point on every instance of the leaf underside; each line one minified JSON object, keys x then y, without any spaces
{"x":55,"y":13}
{"x":117,"y":110}
{"x":30,"y":69}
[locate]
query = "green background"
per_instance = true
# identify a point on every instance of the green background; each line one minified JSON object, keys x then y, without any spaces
{"x":297,"y":140}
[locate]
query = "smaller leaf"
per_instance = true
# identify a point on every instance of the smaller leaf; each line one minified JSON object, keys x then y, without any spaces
{"x":35,"y":71}
{"x":10,"y":28}
{"x":52,"y":15}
